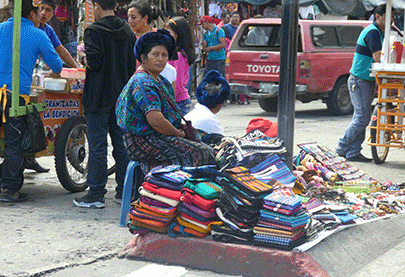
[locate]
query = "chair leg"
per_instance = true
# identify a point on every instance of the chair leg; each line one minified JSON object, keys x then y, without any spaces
{"x":127,"y":192}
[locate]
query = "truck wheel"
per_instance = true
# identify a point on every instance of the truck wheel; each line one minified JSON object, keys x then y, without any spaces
{"x":268,"y":104}
{"x":339,"y":102}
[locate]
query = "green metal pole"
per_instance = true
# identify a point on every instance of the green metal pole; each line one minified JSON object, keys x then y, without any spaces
{"x":16,"y":58}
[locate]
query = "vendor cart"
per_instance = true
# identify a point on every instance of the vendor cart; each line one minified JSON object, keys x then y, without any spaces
{"x":387,"y":126}
{"x":66,"y":133}
{"x":61,"y":112}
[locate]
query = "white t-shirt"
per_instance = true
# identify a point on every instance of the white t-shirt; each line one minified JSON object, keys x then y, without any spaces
{"x":169,"y":73}
{"x":203,"y":119}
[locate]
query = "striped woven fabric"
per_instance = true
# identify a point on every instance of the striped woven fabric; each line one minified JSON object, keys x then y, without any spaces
{"x":279,"y":198}
{"x":242,"y":175}
{"x":277,"y":232}
{"x":273,"y":168}
{"x":276,"y":224}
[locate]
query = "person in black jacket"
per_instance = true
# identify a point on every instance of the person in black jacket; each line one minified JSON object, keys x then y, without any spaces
{"x":110,"y":62}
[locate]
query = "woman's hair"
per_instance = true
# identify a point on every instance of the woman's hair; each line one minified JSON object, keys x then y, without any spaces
{"x":185,"y":40}
{"x":144,"y":8}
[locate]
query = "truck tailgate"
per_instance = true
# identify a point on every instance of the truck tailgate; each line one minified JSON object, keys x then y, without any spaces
{"x":247,"y":66}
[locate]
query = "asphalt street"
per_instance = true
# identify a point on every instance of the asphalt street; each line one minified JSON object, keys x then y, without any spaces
{"x":49,"y":236}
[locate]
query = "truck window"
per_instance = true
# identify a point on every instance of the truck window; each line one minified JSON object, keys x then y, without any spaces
{"x":261,"y":35}
{"x":348,"y":35}
{"x":324,"y":36}
{"x":335,"y":36}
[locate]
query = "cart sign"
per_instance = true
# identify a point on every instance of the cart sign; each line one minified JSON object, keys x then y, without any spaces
{"x":3,"y":3}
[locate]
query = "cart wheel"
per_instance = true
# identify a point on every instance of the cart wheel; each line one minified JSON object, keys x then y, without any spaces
{"x":379,"y":153}
{"x":71,"y":155}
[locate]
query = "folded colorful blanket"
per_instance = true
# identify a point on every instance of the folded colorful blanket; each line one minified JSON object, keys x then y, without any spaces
{"x":246,"y":182}
{"x":191,"y":197}
{"x":168,"y":193}
{"x":204,"y":187}
{"x":183,"y":209}
{"x":176,"y":229}
{"x":281,"y":210}
{"x":171,"y":175}
{"x":279,"y":198}
{"x":273,"y":168}
{"x":277,"y":225}
{"x":147,"y":193}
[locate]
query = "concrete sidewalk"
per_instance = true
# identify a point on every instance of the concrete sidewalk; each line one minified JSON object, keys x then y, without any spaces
{"x":364,"y":250}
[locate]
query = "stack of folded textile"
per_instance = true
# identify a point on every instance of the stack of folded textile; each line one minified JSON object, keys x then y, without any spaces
{"x":196,"y":211}
{"x":239,"y":205}
{"x":282,"y":221}
{"x":160,"y":194}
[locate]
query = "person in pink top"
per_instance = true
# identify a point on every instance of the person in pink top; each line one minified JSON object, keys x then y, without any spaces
{"x":181,"y":31}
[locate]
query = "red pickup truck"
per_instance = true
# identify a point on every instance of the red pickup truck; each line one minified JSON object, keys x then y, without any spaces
{"x":325,"y":54}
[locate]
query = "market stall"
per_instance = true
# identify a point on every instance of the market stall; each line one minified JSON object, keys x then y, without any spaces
{"x":59,"y":102}
{"x":387,"y":123}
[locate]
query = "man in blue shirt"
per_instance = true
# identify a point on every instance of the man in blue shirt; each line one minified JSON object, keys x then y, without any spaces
{"x":34,"y":42}
{"x":362,"y":87}
{"x":231,"y":27}
{"x":47,"y":10}
{"x":214,"y":44}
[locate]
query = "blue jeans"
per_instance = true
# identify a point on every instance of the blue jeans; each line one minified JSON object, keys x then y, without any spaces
{"x":362,"y":95}
{"x":185,"y":106}
{"x":218,"y":65}
{"x":12,"y":177}
{"x":98,"y":126}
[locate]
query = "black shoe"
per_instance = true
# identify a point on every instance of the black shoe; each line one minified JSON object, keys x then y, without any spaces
{"x":13,"y":196}
{"x":31,"y":163}
{"x":89,"y":202}
{"x":359,"y":158}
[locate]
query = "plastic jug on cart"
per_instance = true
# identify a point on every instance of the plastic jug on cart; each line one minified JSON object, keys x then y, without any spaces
{"x":399,"y":47}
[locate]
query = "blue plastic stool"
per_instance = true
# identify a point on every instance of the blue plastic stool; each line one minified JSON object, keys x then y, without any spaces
{"x":127,"y":192}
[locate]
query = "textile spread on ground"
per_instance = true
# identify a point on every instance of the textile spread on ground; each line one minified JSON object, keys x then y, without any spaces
{"x":252,"y":197}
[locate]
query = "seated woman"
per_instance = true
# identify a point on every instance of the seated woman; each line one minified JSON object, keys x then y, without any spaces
{"x":146,"y":111}
{"x":211,"y":94}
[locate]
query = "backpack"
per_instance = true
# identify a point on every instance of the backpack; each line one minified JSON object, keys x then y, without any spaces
{"x":227,"y":40}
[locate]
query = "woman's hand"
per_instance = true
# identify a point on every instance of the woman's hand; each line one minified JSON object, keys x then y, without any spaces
{"x":163,"y":126}
{"x":183,"y":134}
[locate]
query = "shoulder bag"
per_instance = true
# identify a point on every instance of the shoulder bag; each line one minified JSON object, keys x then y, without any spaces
{"x":34,"y":139}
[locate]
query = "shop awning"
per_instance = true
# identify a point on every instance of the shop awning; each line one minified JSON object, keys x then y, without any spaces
{"x":337,"y":7}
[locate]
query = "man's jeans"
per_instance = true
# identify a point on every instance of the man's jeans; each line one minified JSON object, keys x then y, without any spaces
{"x":362,"y":94}
{"x":218,"y":65}
{"x":98,"y":126}
{"x":12,"y":168}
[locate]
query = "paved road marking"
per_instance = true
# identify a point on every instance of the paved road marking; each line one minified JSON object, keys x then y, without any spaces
{"x":158,"y":270}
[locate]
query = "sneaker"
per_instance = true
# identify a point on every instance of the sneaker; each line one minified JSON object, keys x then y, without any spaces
{"x":359,"y":158}
{"x":13,"y":196}
{"x":89,"y":202}
{"x":118,"y":198}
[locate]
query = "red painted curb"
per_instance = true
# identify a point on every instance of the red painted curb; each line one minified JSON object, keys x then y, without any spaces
{"x":226,"y":258}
